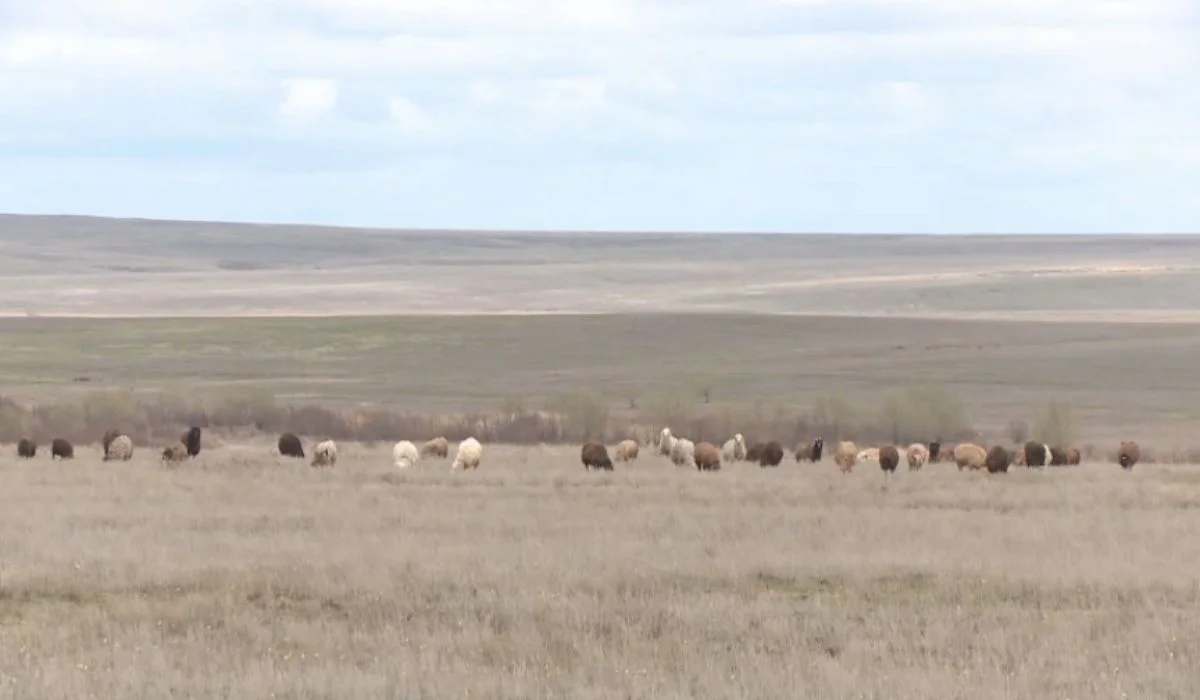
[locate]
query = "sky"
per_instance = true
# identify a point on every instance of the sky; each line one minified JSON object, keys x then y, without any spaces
{"x":940,"y":116}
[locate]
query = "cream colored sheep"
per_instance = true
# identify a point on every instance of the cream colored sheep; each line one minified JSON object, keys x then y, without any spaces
{"x":845,"y":455}
{"x":404,"y":454}
{"x":470,"y":452}
{"x":734,"y":450}
{"x":917,"y":455}
{"x":666,"y":442}
{"x":971,"y":456}
{"x":684,"y":453}
{"x":120,"y":448}
{"x":871,"y":454}
{"x":626,"y":450}
{"x":324,"y":454}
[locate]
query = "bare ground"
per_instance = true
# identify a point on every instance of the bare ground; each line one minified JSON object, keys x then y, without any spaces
{"x":240,"y":575}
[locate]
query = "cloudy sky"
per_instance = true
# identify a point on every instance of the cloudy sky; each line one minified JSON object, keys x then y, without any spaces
{"x":778,"y":115}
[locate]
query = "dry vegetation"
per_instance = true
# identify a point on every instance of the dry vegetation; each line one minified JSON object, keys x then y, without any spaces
{"x":240,"y":575}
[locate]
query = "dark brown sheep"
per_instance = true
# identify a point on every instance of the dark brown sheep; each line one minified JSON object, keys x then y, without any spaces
{"x":771,"y":455}
{"x":1035,"y":454}
{"x":810,"y":451}
{"x":60,"y":448}
{"x":754,"y":452}
{"x":191,"y":440}
{"x":107,"y":440}
{"x":1058,"y":457}
{"x":935,"y":450}
{"x":26,"y":448}
{"x":289,"y":446}
{"x":998,"y":460}
{"x":175,"y":453}
{"x":595,"y":456}
{"x":1073,"y":456}
{"x":889,"y":458}
{"x":1128,"y":454}
{"x":707,"y":456}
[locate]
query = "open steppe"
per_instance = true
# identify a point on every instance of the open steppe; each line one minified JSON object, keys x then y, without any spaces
{"x":239,"y":574}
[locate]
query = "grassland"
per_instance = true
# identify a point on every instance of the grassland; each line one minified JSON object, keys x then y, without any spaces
{"x":243,"y":576}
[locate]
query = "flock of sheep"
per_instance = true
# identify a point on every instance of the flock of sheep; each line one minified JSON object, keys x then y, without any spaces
{"x":704,"y":456}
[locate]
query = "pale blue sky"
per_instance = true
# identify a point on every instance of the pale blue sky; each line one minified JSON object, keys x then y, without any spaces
{"x":801,"y":115}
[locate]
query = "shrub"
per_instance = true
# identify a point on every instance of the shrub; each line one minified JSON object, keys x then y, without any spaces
{"x":920,"y":413}
{"x":1056,"y":424}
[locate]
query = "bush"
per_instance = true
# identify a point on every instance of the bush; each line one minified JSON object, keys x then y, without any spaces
{"x":1056,"y":424}
{"x":921,"y":413}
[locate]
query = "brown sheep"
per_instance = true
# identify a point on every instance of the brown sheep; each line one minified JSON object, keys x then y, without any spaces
{"x":1018,"y":457}
{"x":191,"y":440}
{"x":845,"y":455}
{"x":61,"y":449}
{"x":810,"y":451}
{"x":175,"y":453}
{"x":889,"y":459}
{"x":754,"y":452}
{"x":1073,"y":457}
{"x":289,"y":446}
{"x":1128,"y":454}
{"x":1058,"y":457}
{"x":26,"y":448}
{"x":107,"y":440}
{"x":626,"y":450}
{"x":771,"y":455}
{"x":595,"y":456}
{"x":998,"y":460}
{"x":437,"y":447}
{"x":935,"y":451}
{"x":970,"y":455}
{"x":707,"y":456}
{"x":945,"y":454}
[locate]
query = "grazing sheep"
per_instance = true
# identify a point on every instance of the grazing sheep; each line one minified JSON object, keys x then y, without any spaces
{"x":626,"y":450}
{"x":916,"y":455}
{"x":754,"y":452}
{"x":437,"y":447}
{"x":175,"y":453}
{"x":595,"y":456}
{"x":1036,"y":454}
{"x":683,"y":454}
{"x":324,"y":454}
{"x":845,"y":455}
{"x":289,"y":446}
{"x":935,"y":450}
{"x":666,"y":442}
{"x":707,"y":457}
{"x":1018,"y":456}
{"x":871,"y":454}
{"x":1073,"y":457}
{"x":62,"y":449}
{"x":998,"y":460}
{"x":810,"y":451}
{"x":889,"y":459}
{"x":970,"y":455}
{"x":771,"y":455}
{"x":107,"y":440}
{"x":26,"y":448}
{"x":404,"y":454}
{"x":1058,"y":457}
{"x":734,"y":448}
{"x":191,"y":440}
{"x":120,"y":448}
{"x":1128,"y":454}
{"x":470,"y":452}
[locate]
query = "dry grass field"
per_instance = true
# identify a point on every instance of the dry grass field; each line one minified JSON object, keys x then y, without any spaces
{"x":243,"y":575}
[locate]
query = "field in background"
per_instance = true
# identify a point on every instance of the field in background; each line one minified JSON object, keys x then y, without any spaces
{"x":240,"y":575}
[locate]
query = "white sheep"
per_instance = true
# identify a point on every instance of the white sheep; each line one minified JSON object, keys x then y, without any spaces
{"x":734,"y":449}
{"x":684,"y":453}
{"x":324,"y":454}
{"x":871,"y":454}
{"x":469,"y":454}
{"x":404,"y":454}
{"x":120,"y":448}
{"x":917,"y":455}
{"x":666,"y":442}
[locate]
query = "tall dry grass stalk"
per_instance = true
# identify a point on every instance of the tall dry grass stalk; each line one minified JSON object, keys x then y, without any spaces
{"x":242,"y":575}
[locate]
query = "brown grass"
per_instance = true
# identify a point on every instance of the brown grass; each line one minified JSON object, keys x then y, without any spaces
{"x":242,"y":575}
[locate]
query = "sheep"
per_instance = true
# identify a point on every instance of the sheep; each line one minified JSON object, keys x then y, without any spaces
{"x":62,"y":449}
{"x":175,"y":453}
{"x":595,"y":456}
{"x":754,"y":452}
{"x":945,"y":453}
{"x":404,"y":454}
{"x":191,"y":440}
{"x":470,"y":452}
{"x":683,"y":454}
{"x":324,"y":454}
{"x":970,"y":455}
{"x":437,"y":447}
{"x":810,"y":451}
{"x":1058,"y":457}
{"x":935,"y":449}
{"x":1018,"y":456}
{"x":871,"y":454}
{"x":707,"y":457}
{"x":1073,"y":457}
{"x":734,"y":448}
{"x":289,"y":446}
{"x":771,"y":455}
{"x":626,"y":450}
{"x":26,"y":448}
{"x":916,"y":455}
{"x":109,"y":436}
{"x":1128,"y":454}
{"x":997,"y":460}
{"x":844,"y":456}
{"x":1036,"y":454}
{"x":889,"y":458}
{"x":120,"y":448}
{"x":666,"y":442}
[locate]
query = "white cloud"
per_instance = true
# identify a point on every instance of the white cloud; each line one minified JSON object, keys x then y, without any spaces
{"x":408,"y":117}
{"x":308,"y":98}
